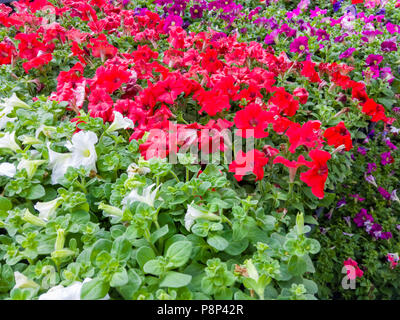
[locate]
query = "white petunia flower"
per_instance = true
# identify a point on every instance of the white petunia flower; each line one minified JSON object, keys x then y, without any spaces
{"x":148,"y":196}
{"x":72,"y":292}
{"x":120,"y":122}
{"x":192,"y":214}
{"x":134,"y":169}
{"x":47,"y":209}
{"x":83,"y":150}
{"x":59,"y":162}
{"x":22,"y":281}
{"x":8,"y":141}
{"x":7,"y":169}
{"x":30,"y":166}
{"x":15,"y":102}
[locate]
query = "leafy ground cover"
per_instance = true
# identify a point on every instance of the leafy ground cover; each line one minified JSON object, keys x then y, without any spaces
{"x":291,"y":106}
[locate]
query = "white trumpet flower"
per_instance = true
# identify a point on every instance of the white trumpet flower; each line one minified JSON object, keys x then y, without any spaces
{"x":120,"y":122}
{"x":22,"y":281}
{"x":7,"y":169}
{"x":148,"y":196}
{"x":30,"y":166}
{"x":72,"y":292}
{"x":83,"y":150}
{"x":192,"y":214}
{"x":8,"y":141}
{"x":47,"y":209}
{"x":59,"y":163}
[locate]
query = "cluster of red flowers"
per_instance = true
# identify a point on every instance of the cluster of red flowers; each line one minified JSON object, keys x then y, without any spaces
{"x":216,"y":76}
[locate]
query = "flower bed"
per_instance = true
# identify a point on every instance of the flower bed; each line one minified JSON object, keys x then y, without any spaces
{"x":188,"y":150}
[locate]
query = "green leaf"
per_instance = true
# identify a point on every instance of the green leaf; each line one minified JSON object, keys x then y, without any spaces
{"x":134,"y":282}
{"x":121,"y":249}
{"x":100,"y":245}
{"x":94,"y":289}
{"x":36,"y":192}
{"x":175,"y":280}
{"x":218,"y":242}
{"x":159,"y":233}
{"x":119,"y":278}
{"x":179,"y":253}
{"x":154,"y":266}
{"x":143,"y":255}
{"x":5,"y":204}
{"x":297,"y":266}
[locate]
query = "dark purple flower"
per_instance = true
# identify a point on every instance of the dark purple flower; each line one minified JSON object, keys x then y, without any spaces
{"x":341,"y":203}
{"x":299,"y":45}
{"x":322,"y":35}
{"x":386,"y":235}
{"x":341,"y":38}
{"x":337,"y":5}
{"x":347,"y":53}
{"x":196,"y":12}
{"x":362,"y":217}
{"x":362,"y":150}
{"x":388,"y":46}
{"x":375,"y":230}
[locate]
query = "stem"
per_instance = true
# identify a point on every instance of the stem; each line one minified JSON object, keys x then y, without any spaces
{"x":187,"y":174}
{"x":175,"y":176}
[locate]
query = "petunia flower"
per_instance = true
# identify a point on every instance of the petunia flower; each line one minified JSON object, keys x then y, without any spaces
{"x":386,"y":158}
{"x":299,"y":45}
{"x":292,"y":165}
{"x":193,"y":213}
{"x":353,"y":271}
{"x":59,"y":163}
{"x":339,"y":135}
{"x":7,"y":141}
{"x":120,"y":122}
{"x":253,"y":121}
{"x":22,"y":281}
{"x":7,"y":169}
{"x":30,"y":166}
{"x":251,"y":161}
{"x":83,"y":152}
{"x":317,"y":175}
{"x":148,"y":196}
{"x":47,"y":209}
{"x":72,"y":292}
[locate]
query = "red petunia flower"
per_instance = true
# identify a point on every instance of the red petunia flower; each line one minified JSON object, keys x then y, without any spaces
{"x":210,"y":61}
{"x":352,"y":269}
{"x":302,"y":94}
{"x":284,"y":101}
{"x":29,"y":46}
{"x":339,"y":135}
{"x":309,"y":71}
{"x":292,"y":165}
{"x":252,"y":161}
{"x":253,"y":121}
{"x":309,"y":135}
{"x":37,"y":62}
{"x":100,"y":104}
{"x":110,"y":78}
{"x":102,"y":48}
{"x":211,"y":102}
{"x":317,"y":175}
{"x":7,"y":52}
{"x":376,"y":111}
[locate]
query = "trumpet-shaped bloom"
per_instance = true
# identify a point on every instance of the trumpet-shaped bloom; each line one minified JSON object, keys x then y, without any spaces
{"x":30,"y":166}
{"x":83,"y":150}
{"x":120,"y":122}
{"x":47,"y":209}
{"x":22,"y":281}
{"x":193,"y":213}
{"x":252,"y":161}
{"x":8,"y":141}
{"x":72,"y":292}
{"x":148,"y":196}
{"x":7,"y":169}
{"x":59,"y":163}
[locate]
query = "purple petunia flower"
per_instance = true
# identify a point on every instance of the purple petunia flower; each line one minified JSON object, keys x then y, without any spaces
{"x":388,"y":46}
{"x":172,"y":21}
{"x":357,"y":197}
{"x":337,"y":5}
{"x":347,"y":53}
{"x":196,"y":12}
{"x":362,"y":150}
{"x":342,"y":202}
{"x":384,"y":193}
{"x":386,"y":158}
{"x":299,"y":45}
{"x":370,"y":179}
{"x":373,"y":60}
{"x":390,"y":144}
{"x":371,"y":167}
{"x":362,"y":217}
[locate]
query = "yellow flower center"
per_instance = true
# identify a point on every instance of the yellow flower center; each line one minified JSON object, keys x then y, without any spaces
{"x":86,"y":153}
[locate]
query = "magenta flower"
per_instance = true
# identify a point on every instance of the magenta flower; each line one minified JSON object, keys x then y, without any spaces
{"x":388,"y":46}
{"x":347,"y":53}
{"x":384,"y":193}
{"x":386,"y":158}
{"x":373,"y":60}
{"x":299,"y":45}
{"x":196,"y":12}
{"x":371,"y":167}
{"x":362,"y":217}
